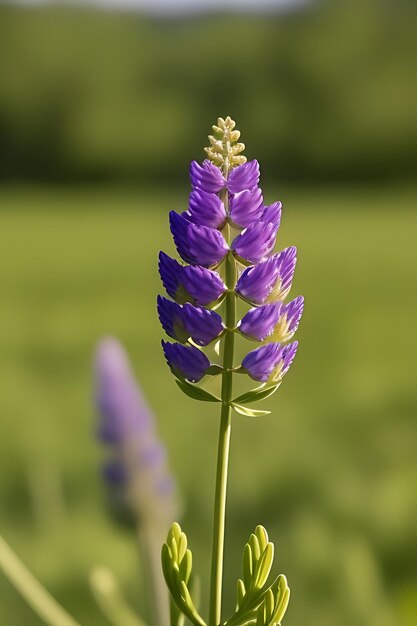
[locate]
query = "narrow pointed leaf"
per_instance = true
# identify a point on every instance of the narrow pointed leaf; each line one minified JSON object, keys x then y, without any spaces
{"x":196,"y":392}
{"x":182,"y":547}
{"x":214,"y":370}
{"x":240,"y":593}
{"x":262,"y":536}
{"x":243,"y":410}
{"x":256,"y":550}
{"x":256,"y":394}
{"x":265,"y":565}
{"x":247,"y":566}
{"x":186,"y":566}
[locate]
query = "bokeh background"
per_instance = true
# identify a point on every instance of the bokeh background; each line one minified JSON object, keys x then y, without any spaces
{"x":100,"y":113}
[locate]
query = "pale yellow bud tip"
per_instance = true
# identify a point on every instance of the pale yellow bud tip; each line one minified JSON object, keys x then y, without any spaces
{"x":224,"y":150}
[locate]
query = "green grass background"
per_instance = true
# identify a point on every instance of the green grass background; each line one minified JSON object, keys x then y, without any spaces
{"x":332,"y":473}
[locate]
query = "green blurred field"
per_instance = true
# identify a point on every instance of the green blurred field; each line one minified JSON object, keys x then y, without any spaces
{"x":332,"y":473}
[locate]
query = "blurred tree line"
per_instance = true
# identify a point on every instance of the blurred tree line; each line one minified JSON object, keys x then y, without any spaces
{"x":327,"y":93}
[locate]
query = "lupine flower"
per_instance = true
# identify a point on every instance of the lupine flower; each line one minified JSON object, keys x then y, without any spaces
{"x":225,"y":197}
{"x":256,"y":242}
{"x":226,"y":237}
{"x":183,"y":322}
{"x":276,"y":321}
{"x":206,"y":209}
{"x":246,"y":206}
{"x":194,"y":284}
{"x":270,"y":280}
{"x":197,"y":244}
{"x":186,"y":361}
{"x":138,"y":465}
{"x":269,"y":362}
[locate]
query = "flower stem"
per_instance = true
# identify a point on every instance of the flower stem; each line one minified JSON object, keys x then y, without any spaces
{"x":40,"y":600}
{"x":223,"y":450}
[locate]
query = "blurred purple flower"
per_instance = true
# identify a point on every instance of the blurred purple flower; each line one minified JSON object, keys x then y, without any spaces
{"x":138,"y":462}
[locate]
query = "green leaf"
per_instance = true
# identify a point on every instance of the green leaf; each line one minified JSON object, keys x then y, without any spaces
{"x":240,"y":593}
{"x":264,"y":566}
{"x":177,"y":567}
{"x":262,"y":536}
{"x":260,"y":393}
{"x":214,"y":370}
{"x":196,"y":392}
{"x":243,"y":410}
{"x":282,"y":596}
{"x":247,"y":565}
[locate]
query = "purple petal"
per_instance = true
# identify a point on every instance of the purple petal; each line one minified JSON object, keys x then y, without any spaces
{"x":259,"y":323}
{"x":169,"y":271}
{"x":270,"y":362}
{"x":256,"y":242}
{"x":272,"y":214}
{"x":202,"y":325}
{"x":269,"y":281}
{"x":172,"y":319}
{"x":290,"y":319}
{"x":207,"y":176}
{"x":186,"y":361}
{"x":243,"y":177}
{"x":206,"y":209}
{"x":203,"y":285}
{"x":198,"y":245}
{"x":246,"y":206}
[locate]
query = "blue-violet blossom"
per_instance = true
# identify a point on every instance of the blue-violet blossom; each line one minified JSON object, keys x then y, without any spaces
{"x":227,"y":222}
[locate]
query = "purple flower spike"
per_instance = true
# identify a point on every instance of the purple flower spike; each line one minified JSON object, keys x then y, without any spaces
{"x":207,"y":176}
{"x":256,"y":243}
{"x":202,"y":325}
{"x":269,"y":363}
{"x":172,"y":319}
{"x":128,"y":427}
{"x":198,"y":245}
{"x":243,"y":177}
{"x":186,"y":361}
{"x":206,"y":209}
{"x":272,"y":214}
{"x":246,"y":207}
{"x":269,"y":281}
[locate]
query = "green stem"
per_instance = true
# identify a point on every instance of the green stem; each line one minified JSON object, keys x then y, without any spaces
{"x":40,"y":600}
{"x":223,"y":450}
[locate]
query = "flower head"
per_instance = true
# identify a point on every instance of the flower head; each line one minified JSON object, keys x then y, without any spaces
{"x":226,"y":240}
